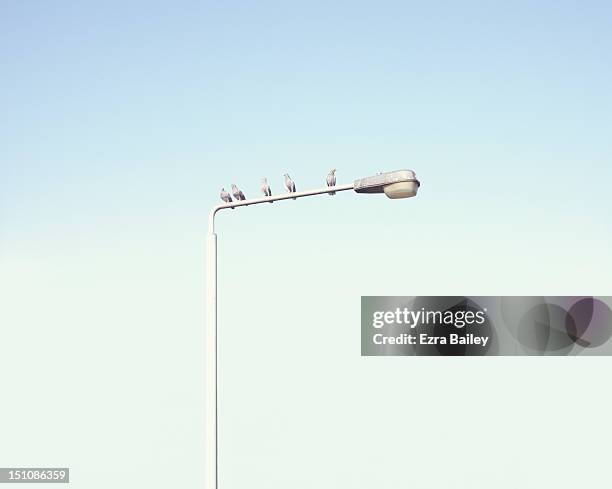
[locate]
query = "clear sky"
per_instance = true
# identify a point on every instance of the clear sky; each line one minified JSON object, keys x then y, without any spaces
{"x":119,"y":123}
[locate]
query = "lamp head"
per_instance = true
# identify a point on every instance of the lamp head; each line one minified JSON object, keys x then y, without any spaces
{"x":400,"y":184}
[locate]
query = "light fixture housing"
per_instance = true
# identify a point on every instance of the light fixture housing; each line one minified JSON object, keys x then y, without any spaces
{"x":400,"y":184}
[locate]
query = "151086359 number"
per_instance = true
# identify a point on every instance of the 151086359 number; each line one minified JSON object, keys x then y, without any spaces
{"x":33,"y":475}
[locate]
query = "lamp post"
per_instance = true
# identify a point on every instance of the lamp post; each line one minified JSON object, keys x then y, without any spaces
{"x":396,"y":185}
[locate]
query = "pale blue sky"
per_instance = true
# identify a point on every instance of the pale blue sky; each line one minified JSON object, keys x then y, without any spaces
{"x":119,"y":123}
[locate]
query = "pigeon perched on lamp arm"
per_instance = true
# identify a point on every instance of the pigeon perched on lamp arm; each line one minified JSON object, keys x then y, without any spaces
{"x":289,"y":184}
{"x":331,"y":180}
{"x":237,"y":193}
{"x":225,"y":196}
{"x":265,"y":188}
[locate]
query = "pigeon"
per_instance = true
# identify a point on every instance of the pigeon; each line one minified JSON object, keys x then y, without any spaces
{"x":289,"y":185}
{"x":225,"y":197}
{"x":331,"y":180}
{"x":265,"y":187}
{"x":237,"y":193}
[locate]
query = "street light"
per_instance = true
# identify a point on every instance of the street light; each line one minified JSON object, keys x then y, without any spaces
{"x":399,"y":184}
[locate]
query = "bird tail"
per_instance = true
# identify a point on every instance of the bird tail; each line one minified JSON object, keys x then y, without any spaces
{"x":332,"y":193}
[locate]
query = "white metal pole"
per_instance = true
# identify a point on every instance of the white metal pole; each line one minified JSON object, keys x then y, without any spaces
{"x":211,"y":360}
